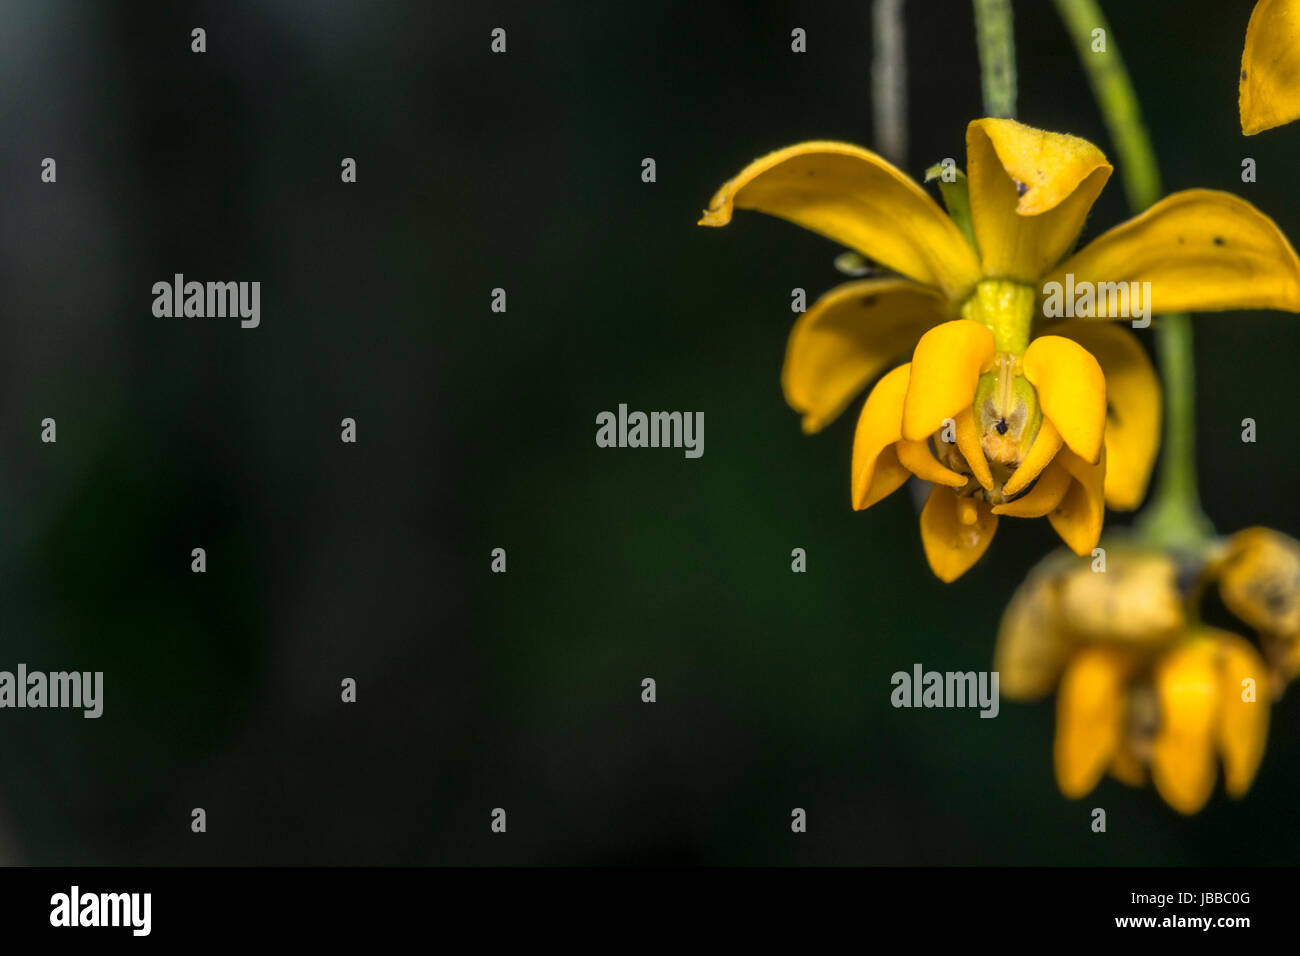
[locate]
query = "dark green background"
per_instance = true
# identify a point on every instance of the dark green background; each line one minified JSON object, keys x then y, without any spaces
{"x":477,"y":430}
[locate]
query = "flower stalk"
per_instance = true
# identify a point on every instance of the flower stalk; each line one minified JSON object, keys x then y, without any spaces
{"x":997,"y":47}
{"x":1174,"y":518}
{"x":889,"y":80}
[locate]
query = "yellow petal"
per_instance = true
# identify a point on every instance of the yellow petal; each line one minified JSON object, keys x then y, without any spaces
{"x":1042,"y":499}
{"x":875,"y":473}
{"x":967,"y":434}
{"x":1284,"y":657}
{"x":946,"y":367}
{"x":1243,"y":716}
{"x":848,"y":337}
{"x":1136,"y":601}
{"x":955,"y":532}
{"x":917,"y":458}
{"x":1269,"y":94}
{"x":859,"y":200}
{"x":888,"y":475}
{"x":1032,"y":647}
{"x":1201,"y":250}
{"x":1132,"y":408}
{"x":1078,"y":518}
{"x":1030,"y":191}
{"x":1127,"y":768}
{"x":1046,"y":444}
{"x":1089,"y":718}
{"x":1071,"y":390}
{"x":1182,"y":756}
{"x":1260,"y":580}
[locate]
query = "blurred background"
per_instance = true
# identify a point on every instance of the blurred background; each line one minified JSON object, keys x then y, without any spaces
{"x":476,"y":431}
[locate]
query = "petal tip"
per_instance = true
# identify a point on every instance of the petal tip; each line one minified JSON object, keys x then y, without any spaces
{"x":715,"y":217}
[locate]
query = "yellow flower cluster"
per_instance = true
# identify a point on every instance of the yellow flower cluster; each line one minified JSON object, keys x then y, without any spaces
{"x":983,"y":389}
{"x":1144,"y":688}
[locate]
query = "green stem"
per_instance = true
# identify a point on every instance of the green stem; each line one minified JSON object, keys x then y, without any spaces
{"x":997,"y":45}
{"x":1174,"y":518}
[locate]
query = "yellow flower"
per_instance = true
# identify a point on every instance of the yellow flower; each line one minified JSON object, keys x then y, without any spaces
{"x":1177,"y":716}
{"x":1006,"y":412}
{"x":1269,"y":94}
{"x":1259,"y":581}
{"x":1142,"y":689}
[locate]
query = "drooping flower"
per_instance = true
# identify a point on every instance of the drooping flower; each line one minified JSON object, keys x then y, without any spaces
{"x":1259,"y":581}
{"x":1143,"y":690}
{"x":1176,"y":716}
{"x":1007,"y":412}
{"x":1269,"y":91}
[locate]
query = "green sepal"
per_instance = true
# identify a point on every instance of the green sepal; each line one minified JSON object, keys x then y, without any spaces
{"x":956,"y":196}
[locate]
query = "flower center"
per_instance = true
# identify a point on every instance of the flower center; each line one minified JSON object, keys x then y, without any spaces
{"x":1007,"y":415}
{"x":1006,"y":407}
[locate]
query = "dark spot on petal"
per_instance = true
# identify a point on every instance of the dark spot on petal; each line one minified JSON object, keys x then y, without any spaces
{"x":1219,"y":241}
{"x":1021,"y":189}
{"x":1276,"y":599}
{"x":1181,"y":240}
{"x":1243,"y":74}
{"x":1024,"y":491}
{"x":869,"y":301}
{"x":1001,"y":426}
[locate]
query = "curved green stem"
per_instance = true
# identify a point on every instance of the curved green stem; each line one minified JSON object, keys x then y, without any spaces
{"x":997,"y":45}
{"x":1174,"y":518}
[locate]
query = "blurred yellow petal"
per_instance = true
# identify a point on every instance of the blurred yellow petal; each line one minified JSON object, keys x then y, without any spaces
{"x":1032,"y":648}
{"x":1133,"y":407}
{"x":1137,"y":601}
{"x":968,"y":443}
{"x":848,"y":337}
{"x":1283,"y":655}
{"x":946,"y":367}
{"x":917,"y":458}
{"x":1243,"y":717}
{"x":1201,"y":250}
{"x":1127,"y":768}
{"x":955,"y":532}
{"x":876,"y":474}
{"x":859,"y":200}
{"x":1042,"y":499}
{"x":1046,"y":444}
{"x":1078,"y":518}
{"x":1182,"y":756}
{"x":1030,"y":191}
{"x":1089,"y":718}
{"x":1269,"y":94}
{"x":1071,"y":390}
{"x":1260,"y":580}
